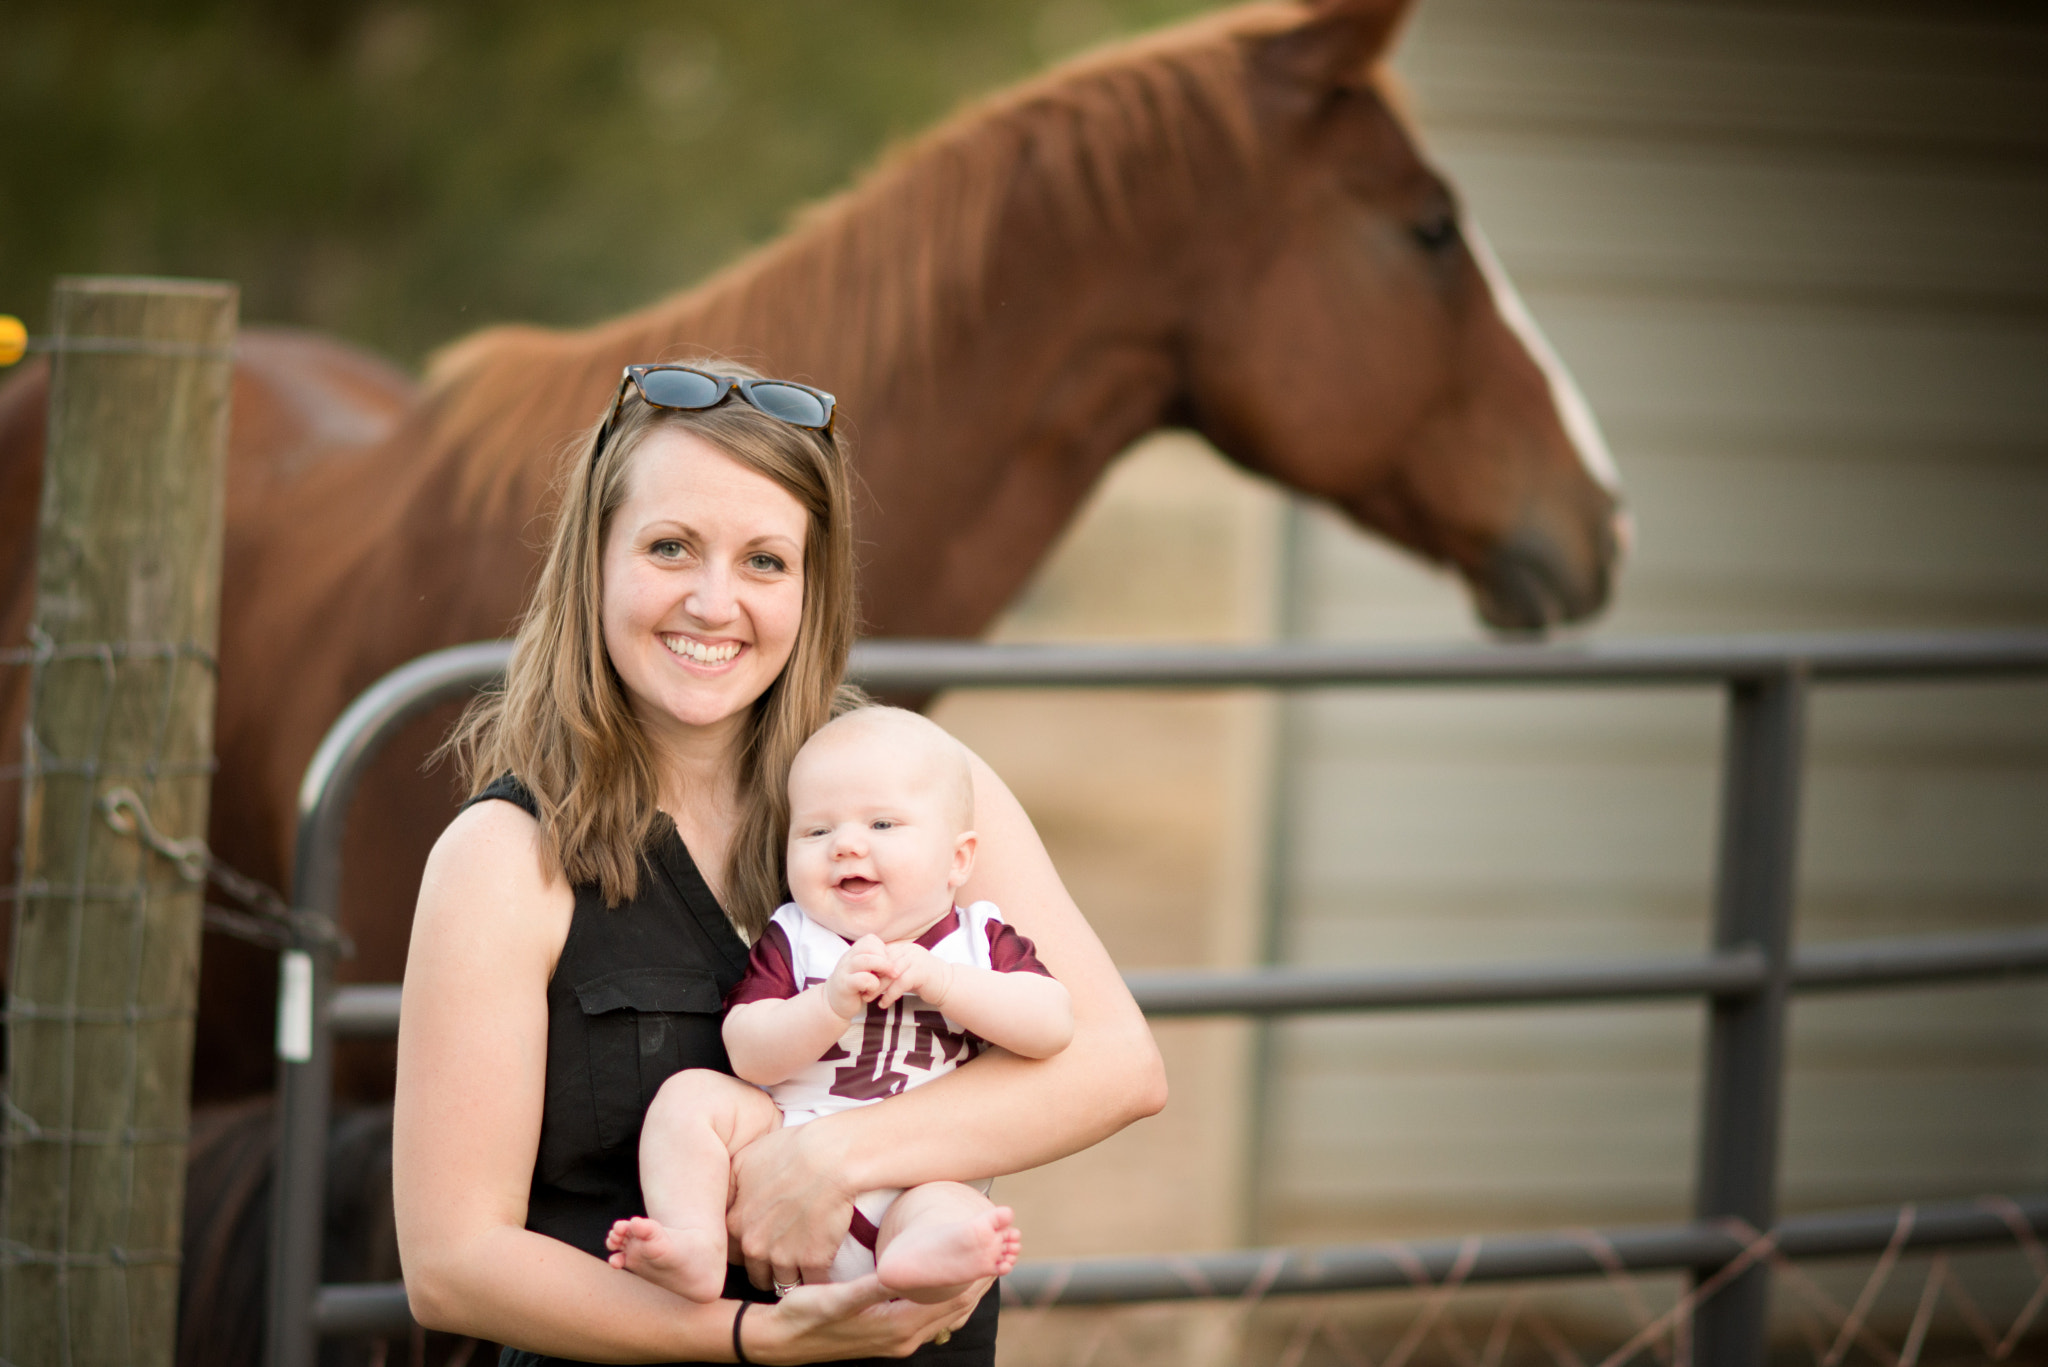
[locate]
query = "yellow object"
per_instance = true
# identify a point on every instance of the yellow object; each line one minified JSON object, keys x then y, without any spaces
{"x":13,"y":339}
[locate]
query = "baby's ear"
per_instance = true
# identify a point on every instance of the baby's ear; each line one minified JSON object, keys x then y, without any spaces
{"x":964,"y":846}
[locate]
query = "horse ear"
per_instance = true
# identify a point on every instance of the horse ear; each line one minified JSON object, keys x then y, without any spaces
{"x":1333,"y":45}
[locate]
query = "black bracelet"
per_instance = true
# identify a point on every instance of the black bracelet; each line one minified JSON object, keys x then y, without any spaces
{"x":739,"y":1354}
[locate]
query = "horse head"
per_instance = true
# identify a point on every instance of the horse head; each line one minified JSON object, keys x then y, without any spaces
{"x":1356,"y":338}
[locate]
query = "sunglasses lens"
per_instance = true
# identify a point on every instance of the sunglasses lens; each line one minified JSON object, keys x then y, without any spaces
{"x":680,"y":389}
{"x":787,"y":402}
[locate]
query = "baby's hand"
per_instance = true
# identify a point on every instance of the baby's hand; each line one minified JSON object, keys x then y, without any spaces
{"x":859,"y":977}
{"x":913,"y":968}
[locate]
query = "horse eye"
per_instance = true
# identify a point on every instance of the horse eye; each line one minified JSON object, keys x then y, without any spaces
{"x":1438,"y":233}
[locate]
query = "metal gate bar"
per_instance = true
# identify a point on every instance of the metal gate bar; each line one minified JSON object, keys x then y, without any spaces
{"x":1698,"y":1247}
{"x":370,"y":1011}
{"x":1746,"y":978}
{"x":1737,"y":1165}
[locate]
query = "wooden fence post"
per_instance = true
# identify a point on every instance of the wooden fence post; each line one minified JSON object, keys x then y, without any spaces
{"x":104,"y":972}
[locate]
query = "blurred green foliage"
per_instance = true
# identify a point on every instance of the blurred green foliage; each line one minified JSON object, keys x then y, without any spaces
{"x":399,"y":174}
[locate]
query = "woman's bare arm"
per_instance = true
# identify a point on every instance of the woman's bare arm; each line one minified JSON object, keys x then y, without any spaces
{"x":996,"y":1115}
{"x":472,"y":1070}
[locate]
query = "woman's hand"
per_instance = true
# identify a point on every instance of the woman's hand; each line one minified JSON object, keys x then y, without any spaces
{"x":788,"y":1211}
{"x":850,"y":1319}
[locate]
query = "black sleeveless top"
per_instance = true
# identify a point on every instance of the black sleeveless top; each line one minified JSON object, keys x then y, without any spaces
{"x":636,"y":996}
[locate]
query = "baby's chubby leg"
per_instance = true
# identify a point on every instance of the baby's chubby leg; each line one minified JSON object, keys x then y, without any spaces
{"x":697,"y":1122}
{"x":941,"y":1236}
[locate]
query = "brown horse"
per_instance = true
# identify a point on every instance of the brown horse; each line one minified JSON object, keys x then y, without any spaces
{"x":1224,"y":226}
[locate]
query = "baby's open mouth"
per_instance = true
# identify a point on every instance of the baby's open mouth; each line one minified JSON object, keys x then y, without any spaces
{"x":855,"y":885}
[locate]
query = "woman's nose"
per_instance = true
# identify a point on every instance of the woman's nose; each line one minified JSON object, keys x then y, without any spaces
{"x":710,"y":598}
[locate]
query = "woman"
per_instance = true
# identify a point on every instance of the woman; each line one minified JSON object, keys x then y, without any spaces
{"x":573,"y":941}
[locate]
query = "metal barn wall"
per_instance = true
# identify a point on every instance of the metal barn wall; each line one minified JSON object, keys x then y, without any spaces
{"x":1797,"y":255}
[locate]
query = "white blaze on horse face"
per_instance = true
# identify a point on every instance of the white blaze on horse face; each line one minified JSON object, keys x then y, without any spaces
{"x":1572,"y":409}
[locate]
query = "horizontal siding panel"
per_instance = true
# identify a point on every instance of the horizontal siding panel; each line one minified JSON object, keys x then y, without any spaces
{"x":1797,"y":257}
{"x":1758,"y":522}
{"x":1456,"y":822}
{"x":1574,"y":215}
{"x":1531,"y":725}
{"x":1959,"y":830}
{"x":1366,"y":822}
{"x":1990,"y":1028}
{"x":1695,"y":368}
{"x":1940,"y":78}
{"x":1626,"y":1037}
{"x":1431,"y":927}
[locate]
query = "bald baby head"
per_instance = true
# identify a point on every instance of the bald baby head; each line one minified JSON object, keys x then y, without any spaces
{"x":880,"y":806}
{"x":913,"y":745}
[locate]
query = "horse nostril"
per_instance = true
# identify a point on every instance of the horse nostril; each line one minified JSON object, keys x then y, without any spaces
{"x":1527,"y":584}
{"x":1518,"y":592}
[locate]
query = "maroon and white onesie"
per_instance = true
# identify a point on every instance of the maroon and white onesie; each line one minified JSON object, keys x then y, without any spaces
{"x":884,"y":1051}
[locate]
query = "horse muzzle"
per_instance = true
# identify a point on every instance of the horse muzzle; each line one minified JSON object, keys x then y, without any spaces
{"x":1532,"y":582}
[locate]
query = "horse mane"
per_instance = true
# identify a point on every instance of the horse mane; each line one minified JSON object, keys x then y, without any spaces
{"x":1130,"y":132}
{"x":1104,"y":145}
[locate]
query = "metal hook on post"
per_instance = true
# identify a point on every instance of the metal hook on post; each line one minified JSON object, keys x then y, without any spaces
{"x":124,"y":812}
{"x":264,"y":917}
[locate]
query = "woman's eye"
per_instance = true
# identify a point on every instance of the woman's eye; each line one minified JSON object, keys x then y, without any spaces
{"x":763,"y":563}
{"x":667,"y":549}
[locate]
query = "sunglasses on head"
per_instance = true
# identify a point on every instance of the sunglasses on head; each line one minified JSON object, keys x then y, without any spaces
{"x":686,"y":387}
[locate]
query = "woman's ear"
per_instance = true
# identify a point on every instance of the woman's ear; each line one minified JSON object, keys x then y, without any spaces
{"x":964,"y":846}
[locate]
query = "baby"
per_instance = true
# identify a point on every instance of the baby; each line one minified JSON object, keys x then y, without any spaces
{"x":871,"y":981}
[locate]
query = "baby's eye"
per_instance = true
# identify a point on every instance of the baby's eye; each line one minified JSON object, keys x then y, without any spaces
{"x":882,"y":824}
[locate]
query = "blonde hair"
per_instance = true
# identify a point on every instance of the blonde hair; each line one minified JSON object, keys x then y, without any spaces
{"x":561,"y":723}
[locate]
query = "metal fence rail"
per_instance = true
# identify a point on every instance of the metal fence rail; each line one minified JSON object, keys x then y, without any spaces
{"x":1697,"y":1247}
{"x":1746,"y":976}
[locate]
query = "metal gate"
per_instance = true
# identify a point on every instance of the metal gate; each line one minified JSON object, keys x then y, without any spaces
{"x":1745,"y":976}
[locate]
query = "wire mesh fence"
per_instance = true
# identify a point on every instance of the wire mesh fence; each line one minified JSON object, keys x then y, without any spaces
{"x":102,"y":951}
{"x":112,"y":699}
{"x":85,"y":1106}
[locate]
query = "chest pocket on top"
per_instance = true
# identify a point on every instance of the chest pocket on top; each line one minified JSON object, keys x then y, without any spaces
{"x":641,"y":1025}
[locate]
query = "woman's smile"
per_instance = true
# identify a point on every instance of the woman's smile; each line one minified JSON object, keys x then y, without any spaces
{"x":698,"y":652}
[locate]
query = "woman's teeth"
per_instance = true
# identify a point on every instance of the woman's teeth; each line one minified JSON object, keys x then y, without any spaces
{"x":702,"y":654}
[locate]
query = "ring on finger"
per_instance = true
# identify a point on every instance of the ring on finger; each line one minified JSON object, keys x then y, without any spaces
{"x":784,"y":1288}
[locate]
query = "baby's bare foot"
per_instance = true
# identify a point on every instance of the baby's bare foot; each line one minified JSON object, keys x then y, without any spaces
{"x":931,"y":1262}
{"x":689,"y":1262}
